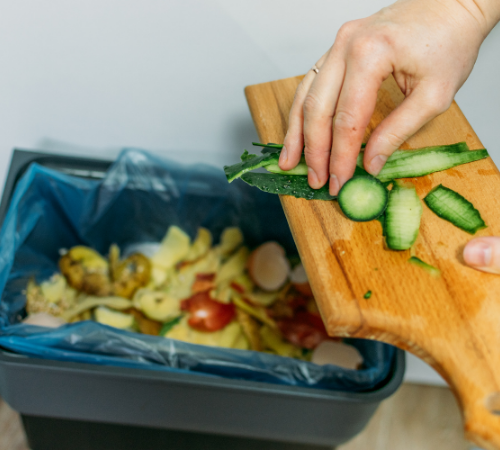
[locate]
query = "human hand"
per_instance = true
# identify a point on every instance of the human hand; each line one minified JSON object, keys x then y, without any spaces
{"x":483,"y":254}
{"x":430,"y":46}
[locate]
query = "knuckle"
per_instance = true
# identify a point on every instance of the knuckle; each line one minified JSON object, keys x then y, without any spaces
{"x":311,"y":104}
{"x":345,"y":122}
{"x":395,"y":138}
{"x":345,"y":31}
{"x":316,"y":154}
{"x":438,"y":99}
{"x":441,"y":104}
{"x":367,"y":45}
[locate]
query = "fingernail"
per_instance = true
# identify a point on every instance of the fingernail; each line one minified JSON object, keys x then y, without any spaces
{"x":376,"y":164}
{"x":334,"y":185}
{"x":313,"y":178}
{"x":478,"y":254}
{"x":283,"y":155}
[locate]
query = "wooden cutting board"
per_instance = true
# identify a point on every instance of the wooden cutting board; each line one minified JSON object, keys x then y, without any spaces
{"x":453,"y":321}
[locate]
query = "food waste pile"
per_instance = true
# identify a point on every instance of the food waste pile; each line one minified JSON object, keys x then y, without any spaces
{"x":222,"y":295}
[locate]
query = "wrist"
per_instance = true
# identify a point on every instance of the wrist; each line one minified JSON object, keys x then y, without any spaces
{"x":486,"y":13}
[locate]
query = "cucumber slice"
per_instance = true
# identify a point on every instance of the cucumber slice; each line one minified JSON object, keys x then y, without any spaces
{"x":451,"y":206}
{"x":424,"y":162}
{"x":434,"y":271}
{"x":402,"y":217}
{"x":363,"y":198}
{"x":295,"y":186}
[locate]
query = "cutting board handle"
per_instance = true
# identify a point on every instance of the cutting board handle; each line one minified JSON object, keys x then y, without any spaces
{"x":482,"y":420}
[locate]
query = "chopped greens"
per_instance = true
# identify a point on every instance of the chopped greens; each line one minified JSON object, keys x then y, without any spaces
{"x":434,"y":271}
{"x":367,"y":295}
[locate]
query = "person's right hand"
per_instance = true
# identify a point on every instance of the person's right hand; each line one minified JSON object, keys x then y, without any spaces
{"x":430,"y":47}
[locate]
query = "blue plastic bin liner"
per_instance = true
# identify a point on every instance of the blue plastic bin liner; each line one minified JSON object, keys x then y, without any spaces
{"x":139,"y":198}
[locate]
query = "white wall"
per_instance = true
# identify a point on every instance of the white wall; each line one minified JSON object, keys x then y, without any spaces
{"x":92,"y":76}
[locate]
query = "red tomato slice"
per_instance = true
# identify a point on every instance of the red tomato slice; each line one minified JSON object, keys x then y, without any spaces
{"x":207,"y":314}
{"x":304,"y":329}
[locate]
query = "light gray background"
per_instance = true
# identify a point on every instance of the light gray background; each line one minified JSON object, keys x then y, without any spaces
{"x":92,"y":76}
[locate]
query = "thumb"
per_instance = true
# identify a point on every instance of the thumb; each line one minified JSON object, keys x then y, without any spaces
{"x":421,"y":106}
{"x":483,"y":254}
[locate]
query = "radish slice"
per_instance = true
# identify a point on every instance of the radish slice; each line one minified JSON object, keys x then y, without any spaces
{"x":300,"y":281}
{"x":268,"y":266}
{"x":338,"y":354}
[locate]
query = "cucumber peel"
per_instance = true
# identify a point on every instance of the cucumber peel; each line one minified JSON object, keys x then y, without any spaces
{"x":402,"y":217}
{"x":459,"y":147}
{"x":453,"y":207}
{"x":434,"y":271}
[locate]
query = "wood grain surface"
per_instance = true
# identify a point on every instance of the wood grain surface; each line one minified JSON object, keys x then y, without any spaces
{"x":453,"y":321}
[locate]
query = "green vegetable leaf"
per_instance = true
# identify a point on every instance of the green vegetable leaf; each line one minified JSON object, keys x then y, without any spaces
{"x":248,"y":163}
{"x":294,"y":185}
{"x":247,"y":156}
{"x":167,"y":326}
{"x":269,"y":146}
{"x":367,"y":295}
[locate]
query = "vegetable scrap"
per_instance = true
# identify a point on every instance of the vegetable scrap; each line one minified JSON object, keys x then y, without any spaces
{"x":222,"y":295}
{"x":365,"y":197}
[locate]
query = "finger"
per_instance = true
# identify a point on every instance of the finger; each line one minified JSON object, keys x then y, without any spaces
{"x":293,"y":143}
{"x":354,"y":111}
{"x":294,"y":139}
{"x":483,"y":254}
{"x":422,"y":105}
{"x":319,"y":108}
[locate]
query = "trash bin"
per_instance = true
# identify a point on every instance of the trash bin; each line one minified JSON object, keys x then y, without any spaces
{"x":68,"y":404}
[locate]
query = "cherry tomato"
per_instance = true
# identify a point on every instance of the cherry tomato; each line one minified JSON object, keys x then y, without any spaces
{"x":207,"y":314}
